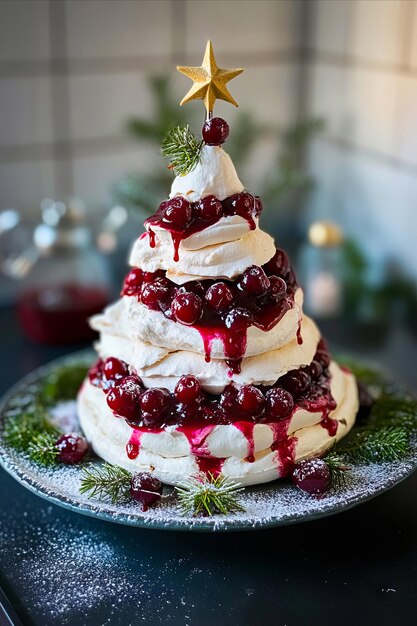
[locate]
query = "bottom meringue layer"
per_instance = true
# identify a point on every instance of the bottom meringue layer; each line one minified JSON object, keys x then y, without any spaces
{"x":260,"y":453}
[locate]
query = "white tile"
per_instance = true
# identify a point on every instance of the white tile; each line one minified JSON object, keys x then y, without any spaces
{"x":330,"y":25}
{"x":94,"y":176}
{"x":359,"y":106}
{"x":115,"y":28}
{"x":101,"y":105}
{"x":24,"y":30}
{"x":243,"y":26}
{"x":24,"y":185}
{"x":373,"y":201}
{"x":377,"y":30}
{"x":25,"y":111}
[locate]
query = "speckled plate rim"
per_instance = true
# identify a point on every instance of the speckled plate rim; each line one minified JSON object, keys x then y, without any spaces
{"x":21,"y":471}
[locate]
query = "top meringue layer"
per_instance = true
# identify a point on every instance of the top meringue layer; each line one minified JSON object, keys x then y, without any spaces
{"x":214,"y":175}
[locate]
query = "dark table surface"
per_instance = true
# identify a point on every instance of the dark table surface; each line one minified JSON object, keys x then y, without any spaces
{"x":57,"y":567}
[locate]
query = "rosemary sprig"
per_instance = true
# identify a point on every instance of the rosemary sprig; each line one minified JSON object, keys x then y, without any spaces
{"x":182,"y":149}
{"x":42,"y":449}
{"x":106,"y":482}
{"x":208,"y":495}
{"x":62,"y":384}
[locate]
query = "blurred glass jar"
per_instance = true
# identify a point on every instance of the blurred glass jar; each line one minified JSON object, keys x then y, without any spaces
{"x":63,"y":278}
{"x":321,"y":271}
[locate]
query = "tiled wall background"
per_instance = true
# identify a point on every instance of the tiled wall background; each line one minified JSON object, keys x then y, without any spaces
{"x":362,"y":57}
{"x":72,"y":71}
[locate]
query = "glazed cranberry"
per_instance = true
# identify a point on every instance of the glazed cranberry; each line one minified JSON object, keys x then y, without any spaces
{"x":154,"y":404}
{"x":322,"y":357}
{"x":228,"y":398}
{"x":280,"y":402}
{"x":251,"y":400}
{"x":219,"y":297}
{"x":156,"y":294}
{"x":215,"y":131}
{"x":322,"y":345}
{"x":95,"y":373}
{"x":146,"y":489}
{"x":123,"y":398}
{"x":178,"y":212}
{"x":187,"y":308}
{"x":279,"y":265}
{"x":243,"y":204}
{"x":254,"y":281}
{"x":277,"y":289}
{"x":296,"y":382}
{"x":114,"y":369}
{"x":133,"y":282}
{"x":71,"y":448}
{"x":238,"y":319}
{"x":209,"y":209}
{"x":258,"y":206}
{"x":314,"y":370}
{"x":312,"y":476}
{"x":187,"y":389}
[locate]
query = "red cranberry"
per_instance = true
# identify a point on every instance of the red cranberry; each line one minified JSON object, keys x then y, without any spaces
{"x":238,"y":319}
{"x":312,"y":476}
{"x":296,"y":382}
{"x":322,"y":345}
{"x":133,"y":282}
{"x":243,"y":204}
{"x":254,"y":281}
{"x":114,"y":369}
{"x":123,"y":398}
{"x":279,"y":265}
{"x":187,"y":308}
{"x":251,"y":400}
{"x":178,"y":212}
{"x":156,"y":294}
{"x":280,"y":402}
{"x":95,"y":373}
{"x":146,"y":489}
{"x":154,"y":403}
{"x":209,"y":209}
{"x":277,"y":289}
{"x":195,"y":286}
{"x":219,"y":297}
{"x":228,"y":398}
{"x":187,"y":389}
{"x":322,"y":357}
{"x":315,"y":370}
{"x":215,"y":131}
{"x":71,"y":448}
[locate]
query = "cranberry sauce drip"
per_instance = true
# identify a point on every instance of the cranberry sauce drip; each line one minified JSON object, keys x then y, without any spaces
{"x":221,"y":309}
{"x":183,"y":218}
{"x":196,"y":413}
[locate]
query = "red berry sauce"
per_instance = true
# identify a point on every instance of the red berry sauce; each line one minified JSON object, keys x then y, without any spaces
{"x":183,"y":218}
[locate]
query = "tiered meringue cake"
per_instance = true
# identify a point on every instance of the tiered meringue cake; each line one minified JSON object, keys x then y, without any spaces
{"x":207,"y":362}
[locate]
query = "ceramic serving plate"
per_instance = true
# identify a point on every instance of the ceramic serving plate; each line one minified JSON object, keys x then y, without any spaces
{"x":273,"y":504}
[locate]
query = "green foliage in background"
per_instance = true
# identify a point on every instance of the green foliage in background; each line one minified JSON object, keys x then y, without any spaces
{"x":283,"y":182}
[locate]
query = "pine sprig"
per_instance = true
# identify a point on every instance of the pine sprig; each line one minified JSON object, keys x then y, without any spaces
{"x":21,"y":429}
{"x":106,"y":482}
{"x":208,"y":495}
{"x":182,"y":149}
{"x":379,"y":445}
{"x":42,"y":449}
{"x":338,"y":469}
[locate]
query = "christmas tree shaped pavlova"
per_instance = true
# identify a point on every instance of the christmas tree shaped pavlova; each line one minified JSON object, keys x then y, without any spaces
{"x":207,"y":365}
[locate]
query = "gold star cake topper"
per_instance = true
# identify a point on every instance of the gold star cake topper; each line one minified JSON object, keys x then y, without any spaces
{"x":209,"y":81}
